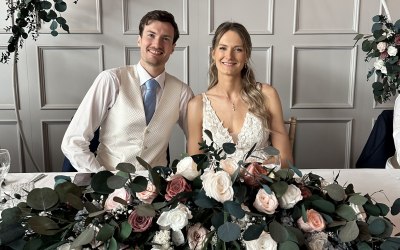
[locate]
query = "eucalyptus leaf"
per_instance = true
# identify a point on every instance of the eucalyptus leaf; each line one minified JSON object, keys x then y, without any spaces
{"x":74,"y":201}
{"x":125,"y":230}
{"x":10,"y":216}
{"x":278,"y":232}
{"x":395,"y":210}
{"x":357,"y":199}
{"x":126,"y":167}
{"x":145,"y":210}
{"x":384,"y":208}
{"x":363,"y":246}
{"x":60,"y":6}
{"x":377,"y":226}
{"x":229,"y":147}
{"x":116,"y":181}
{"x":323,"y":206}
{"x":346,"y":212}
{"x":336,"y":192}
{"x":105,"y":233}
{"x":54,"y":25}
{"x":253,"y":232}
{"x":349,"y":232}
{"x":99,"y":180}
{"x":279,"y":188}
{"x":390,"y":243}
{"x":229,"y":232}
{"x":42,"y":198}
{"x":234,"y":209}
{"x":84,"y":238}
{"x":139,"y":184}
{"x":288,"y":245}
{"x":43,"y":225}
{"x":202,"y":200}
{"x":112,"y":244}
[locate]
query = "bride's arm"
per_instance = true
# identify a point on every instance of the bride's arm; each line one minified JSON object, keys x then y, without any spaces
{"x":195,"y":125}
{"x":279,"y":135}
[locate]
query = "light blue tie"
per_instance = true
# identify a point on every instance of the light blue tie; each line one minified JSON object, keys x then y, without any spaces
{"x":150,"y":99}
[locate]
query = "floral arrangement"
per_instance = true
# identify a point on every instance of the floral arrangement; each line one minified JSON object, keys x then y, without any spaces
{"x":206,"y":201}
{"x":383,"y":45}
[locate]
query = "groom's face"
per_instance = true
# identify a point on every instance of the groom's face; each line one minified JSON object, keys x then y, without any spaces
{"x":156,"y":45}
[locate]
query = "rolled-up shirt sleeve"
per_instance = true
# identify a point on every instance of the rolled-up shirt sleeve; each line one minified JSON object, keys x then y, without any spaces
{"x":93,"y":109}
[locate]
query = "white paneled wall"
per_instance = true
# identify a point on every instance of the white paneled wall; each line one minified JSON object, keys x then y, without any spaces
{"x":304,"y":48}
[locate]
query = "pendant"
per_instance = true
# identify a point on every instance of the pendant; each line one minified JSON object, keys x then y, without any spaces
{"x":233,"y":107}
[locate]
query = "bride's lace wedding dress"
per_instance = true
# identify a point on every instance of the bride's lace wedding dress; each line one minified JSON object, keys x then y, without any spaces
{"x":251,"y":132}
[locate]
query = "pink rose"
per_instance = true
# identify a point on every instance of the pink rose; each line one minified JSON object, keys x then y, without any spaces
{"x":384,"y":55}
{"x":139,"y":223}
{"x":397,"y":39}
{"x":177,"y":185}
{"x":381,"y":46}
{"x":265,"y":203}
{"x":251,"y":175}
{"x":110,"y":204}
{"x":229,"y":165}
{"x":147,"y":196}
{"x":197,"y":236}
{"x":315,"y":222}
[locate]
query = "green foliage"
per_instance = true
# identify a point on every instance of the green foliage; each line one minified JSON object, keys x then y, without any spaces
{"x":385,"y":36}
{"x":28,"y":15}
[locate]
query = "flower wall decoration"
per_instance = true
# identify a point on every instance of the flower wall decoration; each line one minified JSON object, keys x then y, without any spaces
{"x":383,"y":46}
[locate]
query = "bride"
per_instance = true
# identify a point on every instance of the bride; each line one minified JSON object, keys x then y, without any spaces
{"x":236,"y":108}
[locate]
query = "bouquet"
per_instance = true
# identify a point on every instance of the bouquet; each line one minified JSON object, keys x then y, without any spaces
{"x":383,"y":45}
{"x":206,"y":201}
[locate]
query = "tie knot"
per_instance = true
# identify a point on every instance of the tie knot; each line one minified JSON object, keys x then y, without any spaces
{"x":151,"y":84}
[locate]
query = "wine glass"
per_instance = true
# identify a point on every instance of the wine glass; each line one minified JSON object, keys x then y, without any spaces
{"x":5,"y":162}
{"x":269,"y":157}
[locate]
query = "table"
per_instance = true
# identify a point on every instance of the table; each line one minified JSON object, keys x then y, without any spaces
{"x":382,"y":184}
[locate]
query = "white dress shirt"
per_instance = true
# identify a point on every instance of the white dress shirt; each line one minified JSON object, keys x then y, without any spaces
{"x":94,"y":108}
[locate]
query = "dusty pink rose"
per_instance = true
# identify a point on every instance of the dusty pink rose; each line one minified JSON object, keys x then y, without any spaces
{"x":381,"y":46}
{"x":384,"y":55}
{"x":139,"y":223}
{"x":177,"y":185}
{"x":397,"y":39}
{"x":265,"y":203}
{"x":229,"y":165}
{"x":251,"y":175}
{"x":197,"y":236}
{"x":110,"y":204}
{"x":315,"y":222}
{"x":148,"y":195}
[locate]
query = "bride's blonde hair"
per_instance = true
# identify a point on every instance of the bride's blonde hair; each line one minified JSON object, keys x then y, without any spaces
{"x":251,"y":91}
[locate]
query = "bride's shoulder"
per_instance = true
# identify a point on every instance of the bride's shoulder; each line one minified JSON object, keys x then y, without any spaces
{"x":267,"y":89}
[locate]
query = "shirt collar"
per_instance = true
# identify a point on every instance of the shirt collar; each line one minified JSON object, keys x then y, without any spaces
{"x":144,"y":76}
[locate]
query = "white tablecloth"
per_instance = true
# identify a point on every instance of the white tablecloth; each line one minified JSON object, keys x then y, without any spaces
{"x":382,"y":184}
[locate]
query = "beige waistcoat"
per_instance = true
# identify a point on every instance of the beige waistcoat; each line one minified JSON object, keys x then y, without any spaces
{"x":124,"y":134}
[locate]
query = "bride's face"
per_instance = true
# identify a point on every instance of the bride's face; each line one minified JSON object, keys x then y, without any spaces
{"x":229,"y":54}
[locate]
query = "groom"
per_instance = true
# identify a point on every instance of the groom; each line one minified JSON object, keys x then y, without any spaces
{"x":136,"y":106}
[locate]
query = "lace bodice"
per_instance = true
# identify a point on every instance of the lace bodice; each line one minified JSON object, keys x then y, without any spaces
{"x":252,"y":131}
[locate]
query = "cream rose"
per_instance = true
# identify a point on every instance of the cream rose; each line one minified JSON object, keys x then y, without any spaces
{"x":197,"y":236}
{"x":147,"y":196}
{"x":290,"y":197}
{"x":265,"y":241}
{"x":265,"y":203}
{"x":176,"y":218}
{"x":218,"y":185}
{"x":378,"y":64}
{"x":318,"y":241}
{"x":392,"y":51}
{"x":187,"y":168}
{"x":315,"y":222}
{"x":381,"y":46}
{"x":110,"y":204}
{"x":229,"y":165}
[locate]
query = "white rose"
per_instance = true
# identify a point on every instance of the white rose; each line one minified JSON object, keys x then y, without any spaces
{"x":187,"y":168}
{"x":290,"y":197}
{"x":218,"y":185}
{"x":381,"y":46}
{"x":265,"y":241}
{"x":178,"y":238}
{"x":197,"y":235}
{"x":229,"y":165}
{"x":378,"y":64}
{"x":392,"y":51}
{"x":264,"y":202}
{"x":176,"y":218}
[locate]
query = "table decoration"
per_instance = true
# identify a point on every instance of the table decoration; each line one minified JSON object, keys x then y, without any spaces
{"x":206,"y":201}
{"x":383,"y":45}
